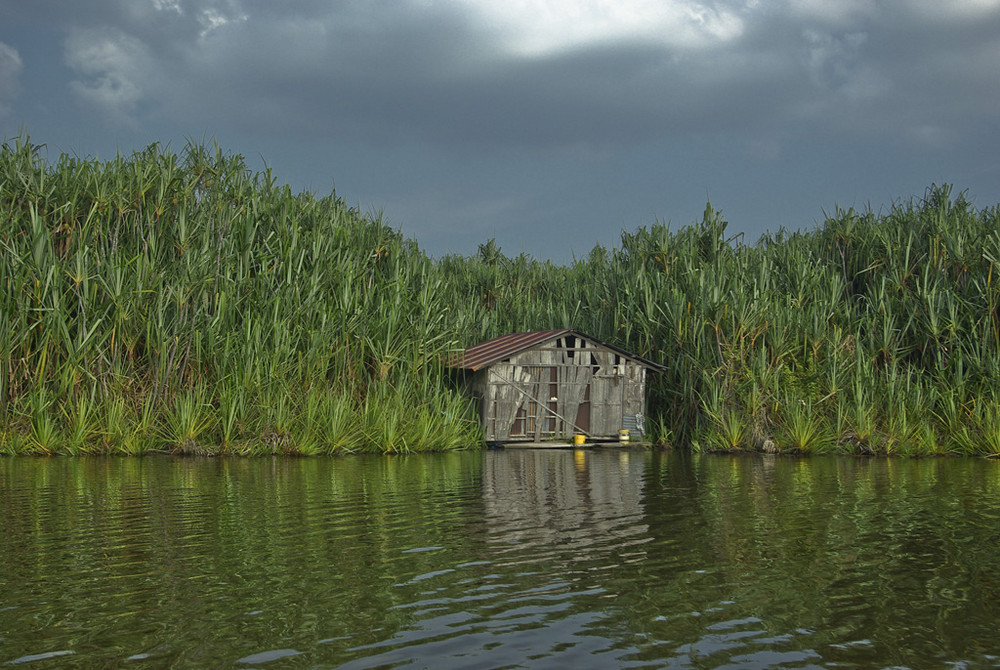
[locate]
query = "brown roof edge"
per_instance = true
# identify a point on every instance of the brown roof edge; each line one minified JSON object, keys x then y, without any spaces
{"x":483,"y":354}
{"x":480,"y":355}
{"x":655,"y":367}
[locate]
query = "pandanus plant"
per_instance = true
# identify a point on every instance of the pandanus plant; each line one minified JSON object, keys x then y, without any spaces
{"x":163,"y":298}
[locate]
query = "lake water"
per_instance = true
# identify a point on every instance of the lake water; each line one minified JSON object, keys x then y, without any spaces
{"x":500,"y":559}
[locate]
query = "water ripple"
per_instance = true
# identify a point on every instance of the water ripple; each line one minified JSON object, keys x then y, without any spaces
{"x":530,"y":560}
{"x":31,"y":658}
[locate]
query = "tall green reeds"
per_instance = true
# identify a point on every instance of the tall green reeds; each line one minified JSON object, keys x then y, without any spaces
{"x":869,"y":335}
{"x":181,"y":302}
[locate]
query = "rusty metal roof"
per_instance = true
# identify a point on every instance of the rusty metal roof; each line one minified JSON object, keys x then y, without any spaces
{"x":491,"y":351}
{"x":483,"y":354}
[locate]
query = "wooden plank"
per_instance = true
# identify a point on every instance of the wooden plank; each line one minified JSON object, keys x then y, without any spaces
{"x":572,"y":384}
{"x":632,"y":395}
{"x":563,"y":444}
{"x":605,"y":406}
{"x":583,"y":373}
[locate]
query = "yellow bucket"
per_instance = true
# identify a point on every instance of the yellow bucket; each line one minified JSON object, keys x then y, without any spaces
{"x":579,"y":440}
{"x":623,"y":435}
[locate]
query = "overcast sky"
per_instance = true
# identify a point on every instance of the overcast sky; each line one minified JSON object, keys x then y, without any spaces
{"x":551,"y":125}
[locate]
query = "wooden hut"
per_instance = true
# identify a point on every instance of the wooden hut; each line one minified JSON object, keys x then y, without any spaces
{"x":555,"y":384}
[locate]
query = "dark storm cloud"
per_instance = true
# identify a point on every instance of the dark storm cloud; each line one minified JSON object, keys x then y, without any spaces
{"x":10,"y":70}
{"x":436,"y":72}
{"x":474,"y":115}
{"x":437,"y":78}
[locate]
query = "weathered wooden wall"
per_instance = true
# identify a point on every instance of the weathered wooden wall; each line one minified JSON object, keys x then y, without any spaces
{"x":559,"y":388}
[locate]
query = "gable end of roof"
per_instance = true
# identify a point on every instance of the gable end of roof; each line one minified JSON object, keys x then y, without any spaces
{"x":486,"y":353}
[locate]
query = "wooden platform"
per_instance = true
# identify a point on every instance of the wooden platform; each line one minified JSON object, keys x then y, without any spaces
{"x":561,"y":444}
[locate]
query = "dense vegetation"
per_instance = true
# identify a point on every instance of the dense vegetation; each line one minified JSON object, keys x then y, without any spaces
{"x":182,"y":302}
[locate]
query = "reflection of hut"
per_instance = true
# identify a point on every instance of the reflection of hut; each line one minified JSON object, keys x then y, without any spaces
{"x":555,"y":383}
{"x":582,"y":505}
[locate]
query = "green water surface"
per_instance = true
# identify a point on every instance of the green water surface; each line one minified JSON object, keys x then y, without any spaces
{"x":500,"y":559}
